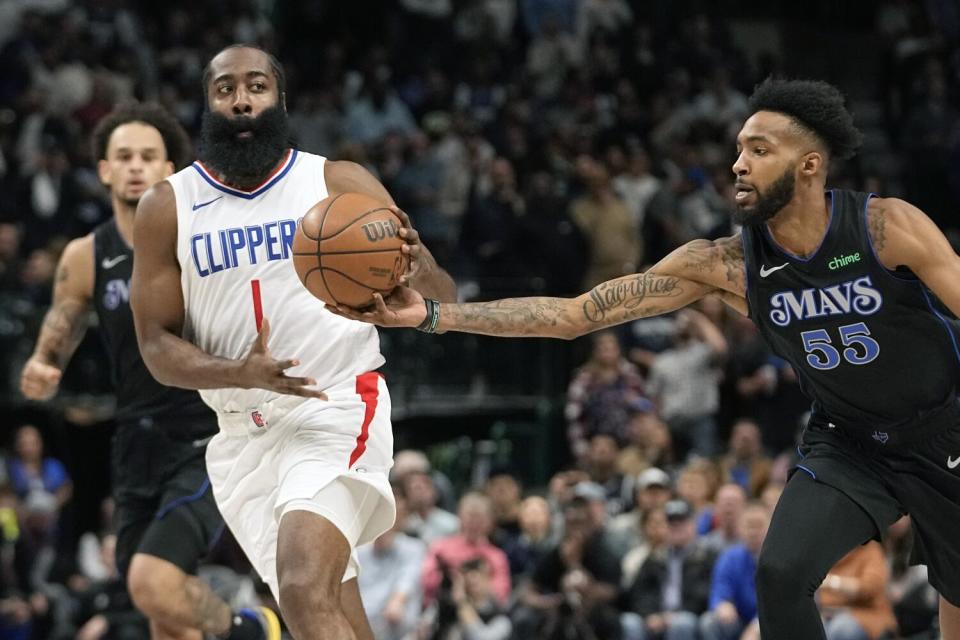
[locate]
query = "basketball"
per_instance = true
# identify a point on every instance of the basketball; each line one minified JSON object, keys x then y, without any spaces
{"x":347,"y":247}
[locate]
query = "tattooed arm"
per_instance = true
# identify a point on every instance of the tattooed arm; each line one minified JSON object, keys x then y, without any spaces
{"x":65,"y":322}
{"x":903,"y":235}
{"x":695,"y":270}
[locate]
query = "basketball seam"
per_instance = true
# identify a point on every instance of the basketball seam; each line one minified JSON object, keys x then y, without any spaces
{"x":352,"y":222}
{"x":340,"y":253}
{"x":323,"y":217}
{"x":323,"y":221}
{"x":353,"y":280}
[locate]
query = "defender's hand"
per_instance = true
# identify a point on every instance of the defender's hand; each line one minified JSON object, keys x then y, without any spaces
{"x":412,"y":247}
{"x":261,"y":371}
{"x":39,"y":380}
{"x":402,"y":308}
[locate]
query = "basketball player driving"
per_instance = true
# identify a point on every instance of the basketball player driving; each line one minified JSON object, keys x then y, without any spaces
{"x":299,"y":467}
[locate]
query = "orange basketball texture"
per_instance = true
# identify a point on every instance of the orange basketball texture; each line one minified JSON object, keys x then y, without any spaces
{"x":347,"y":247}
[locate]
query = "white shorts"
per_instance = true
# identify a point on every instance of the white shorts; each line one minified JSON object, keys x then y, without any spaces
{"x":330,"y":457}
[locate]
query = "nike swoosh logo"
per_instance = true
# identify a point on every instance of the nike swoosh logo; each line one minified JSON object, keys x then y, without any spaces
{"x":110,"y":263}
{"x":951,"y":463}
{"x":764,"y":272}
{"x":201,"y":205}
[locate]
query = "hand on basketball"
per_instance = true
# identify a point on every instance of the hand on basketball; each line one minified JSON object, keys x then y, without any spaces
{"x":402,"y":308}
{"x":260,"y":370}
{"x":39,"y":380}
{"x":411,"y":248}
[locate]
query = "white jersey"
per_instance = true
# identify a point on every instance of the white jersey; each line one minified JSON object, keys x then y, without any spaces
{"x":234,"y":249}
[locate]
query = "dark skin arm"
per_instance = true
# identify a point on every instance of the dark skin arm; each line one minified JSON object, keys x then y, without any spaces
{"x":156,"y":299}
{"x":424,"y":275}
{"x":693,"y":271}
{"x":65,"y":322}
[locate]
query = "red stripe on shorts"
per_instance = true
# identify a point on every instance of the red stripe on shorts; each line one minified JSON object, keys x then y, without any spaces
{"x":368,"y":391}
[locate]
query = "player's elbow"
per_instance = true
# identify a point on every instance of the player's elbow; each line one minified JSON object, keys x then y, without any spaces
{"x":154,"y":355}
{"x":572,"y":331}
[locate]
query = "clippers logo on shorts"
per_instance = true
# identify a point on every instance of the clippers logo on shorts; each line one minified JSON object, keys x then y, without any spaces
{"x":225,"y":249}
{"x":854,"y":296}
{"x":380,"y":229}
{"x":116,"y":292}
{"x":258,"y":420}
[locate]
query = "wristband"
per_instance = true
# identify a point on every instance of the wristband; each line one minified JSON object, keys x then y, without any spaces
{"x":430,"y":322}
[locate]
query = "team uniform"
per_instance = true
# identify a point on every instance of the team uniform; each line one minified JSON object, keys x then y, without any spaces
{"x":877,"y":354}
{"x":277,"y":453}
{"x":164,"y":503}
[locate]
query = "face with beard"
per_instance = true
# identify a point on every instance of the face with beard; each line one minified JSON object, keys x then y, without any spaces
{"x":767,"y":202}
{"x":244,"y":130}
{"x":769,"y":149}
{"x":243,"y":149}
{"x":136,"y":159}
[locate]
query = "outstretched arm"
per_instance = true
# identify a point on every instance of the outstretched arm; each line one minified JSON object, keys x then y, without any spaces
{"x":695,"y":270}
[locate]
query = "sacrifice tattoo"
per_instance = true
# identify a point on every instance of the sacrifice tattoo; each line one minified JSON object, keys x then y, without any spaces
{"x":628,"y":294}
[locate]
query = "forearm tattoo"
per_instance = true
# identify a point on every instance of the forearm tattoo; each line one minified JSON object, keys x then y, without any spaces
{"x":63,"y":328}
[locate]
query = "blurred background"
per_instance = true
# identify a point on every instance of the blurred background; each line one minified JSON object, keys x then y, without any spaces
{"x":540,"y":147}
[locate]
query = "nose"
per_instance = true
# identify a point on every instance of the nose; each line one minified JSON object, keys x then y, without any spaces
{"x":241,"y":102}
{"x":740,"y":167}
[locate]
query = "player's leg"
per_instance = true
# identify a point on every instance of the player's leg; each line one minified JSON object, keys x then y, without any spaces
{"x":813,"y":526}
{"x":949,"y":620}
{"x":312,"y":556}
{"x":353,"y":609}
{"x":317,"y":584}
{"x":179,"y":605}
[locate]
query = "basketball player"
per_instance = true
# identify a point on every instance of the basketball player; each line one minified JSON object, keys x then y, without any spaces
{"x":299,"y":467}
{"x":849,"y":288}
{"x":166,"y":517}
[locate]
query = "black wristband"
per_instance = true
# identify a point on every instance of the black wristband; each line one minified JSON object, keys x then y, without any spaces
{"x":430,"y":322}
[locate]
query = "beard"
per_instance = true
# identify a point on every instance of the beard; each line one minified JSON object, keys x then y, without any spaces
{"x":244,"y":160}
{"x":769,"y":202}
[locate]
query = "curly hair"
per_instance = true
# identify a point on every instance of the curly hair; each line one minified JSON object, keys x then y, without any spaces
{"x":175,"y":139}
{"x":815,"y":106}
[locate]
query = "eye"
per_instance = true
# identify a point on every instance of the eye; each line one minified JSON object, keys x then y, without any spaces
{"x":760,"y":151}
{"x":258,"y":86}
{"x":224,"y":89}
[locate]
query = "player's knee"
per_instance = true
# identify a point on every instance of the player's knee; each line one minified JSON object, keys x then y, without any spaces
{"x":777,"y":575}
{"x":307,"y":587}
{"x":152,"y":582}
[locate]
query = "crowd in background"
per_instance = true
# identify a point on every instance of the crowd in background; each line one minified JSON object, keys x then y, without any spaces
{"x":540,"y":146}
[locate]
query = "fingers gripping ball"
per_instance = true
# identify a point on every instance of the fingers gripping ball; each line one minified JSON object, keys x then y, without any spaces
{"x":348,"y":247}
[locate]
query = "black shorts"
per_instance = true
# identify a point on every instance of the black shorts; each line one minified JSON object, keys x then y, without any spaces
{"x":179,"y":522}
{"x":915,"y":471}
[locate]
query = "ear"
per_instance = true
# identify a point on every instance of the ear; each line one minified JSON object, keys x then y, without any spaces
{"x":169,"y":169}
{"x":812,"y":163}
{"x":104,"y":173}
{"x":283,"y":101}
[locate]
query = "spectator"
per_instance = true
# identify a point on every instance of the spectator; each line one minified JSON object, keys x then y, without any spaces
{"x":727,"y":516}
{"x":914,"y":600}
{"x":40,"y":482}
{"x":698,"y":484}
{"x":601,"y":465}
{"x":637,"y":186}
{"x":853,"y":596}
{"x":503,"y":489}
{"x":390,"y":580}
{"x":470,"y":609}
{"x":653,"y":490}
{"x":536,"y":538}
{"x":654,"y":537}
{"x":644,"y":431}
{"x":672,"y":589}
{"x":733,"y":592}
{"x":684,"y":381}
{"x":378,"y":111}
{"x":447,"y":554}
{"x":607,"y":224}
{"x":104,"y":609}
{"x":573,"y":589}
{"x":745,"y":463}
{"x":426,"y":520}
{"x":600,"y":395}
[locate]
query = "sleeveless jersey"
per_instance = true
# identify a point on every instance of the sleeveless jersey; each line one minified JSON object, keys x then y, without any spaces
{"x":139,"y":396}
{"x":871,"y":346}
{"x":234,"y":248}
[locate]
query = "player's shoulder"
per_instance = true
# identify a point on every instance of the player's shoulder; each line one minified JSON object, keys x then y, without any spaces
{"x":157,"y":199}
{"x":75,"y":271}
{"x":79,"y":250}
{"x":344,"y":176}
